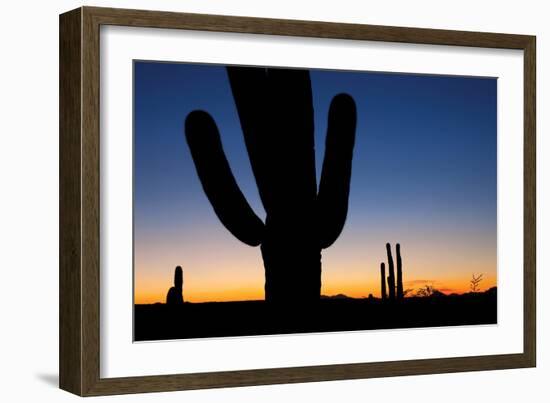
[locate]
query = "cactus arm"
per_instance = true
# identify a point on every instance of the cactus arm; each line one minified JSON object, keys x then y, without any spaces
{"x":218,"y":181}
{"x":332,"y":200}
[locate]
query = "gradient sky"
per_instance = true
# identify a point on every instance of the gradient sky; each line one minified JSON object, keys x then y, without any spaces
{"x":424,"y":175}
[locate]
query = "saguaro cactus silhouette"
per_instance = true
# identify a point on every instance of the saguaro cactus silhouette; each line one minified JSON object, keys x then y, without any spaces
{"x":395,"y":290}
{"x":383,"y":293}
{"x":399,"y":272}
{"x":175,"y":293}
{"x":391,"y":276}
{"x":276,"y":114}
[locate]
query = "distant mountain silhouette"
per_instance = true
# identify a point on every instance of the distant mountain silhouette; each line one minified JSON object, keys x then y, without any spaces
{"x":337,"y":296}
{"x":492,"y":291}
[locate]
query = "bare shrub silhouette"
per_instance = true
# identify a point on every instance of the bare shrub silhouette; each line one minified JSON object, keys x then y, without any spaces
{"x":474,"y":282}
{"x":428,"y":291}
{"x":275,"y":109}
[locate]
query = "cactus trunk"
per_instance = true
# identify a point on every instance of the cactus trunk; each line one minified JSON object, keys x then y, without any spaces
{"x":292,"y":259}
{"x":291,"y":275}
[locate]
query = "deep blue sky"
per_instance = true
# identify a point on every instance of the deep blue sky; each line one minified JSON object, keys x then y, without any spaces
{"x":424,"y":161}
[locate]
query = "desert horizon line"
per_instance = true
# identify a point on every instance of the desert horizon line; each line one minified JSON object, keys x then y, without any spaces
{"x":257,"y":294}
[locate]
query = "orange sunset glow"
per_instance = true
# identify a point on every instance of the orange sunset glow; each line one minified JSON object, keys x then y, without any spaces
{"x":350,"y":267}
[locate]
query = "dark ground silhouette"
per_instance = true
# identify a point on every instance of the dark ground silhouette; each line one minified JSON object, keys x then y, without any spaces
{"x":275,"y":108}
{"x":222,"y":319}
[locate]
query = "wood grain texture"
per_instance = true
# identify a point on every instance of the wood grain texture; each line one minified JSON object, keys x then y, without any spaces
{"x":80,"y":195}
{"x":530,"y":202}
{"x":70,"y":230}
{"x":316,"y":29}
{"x":90,"y":202}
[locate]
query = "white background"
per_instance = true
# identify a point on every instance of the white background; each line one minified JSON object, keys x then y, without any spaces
{"x":120,"y":357}
{"x":29,"y":202}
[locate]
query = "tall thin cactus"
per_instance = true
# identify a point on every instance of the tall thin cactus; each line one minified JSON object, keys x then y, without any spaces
{"x":391,"y":275}
{"x":395,"y":287}
{"x":383,"y":292}
{"x":399,"y":272}
{"x":275,"y":109}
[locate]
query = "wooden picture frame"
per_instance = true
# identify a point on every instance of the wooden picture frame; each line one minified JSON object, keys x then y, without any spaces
{"x":79,"y":201}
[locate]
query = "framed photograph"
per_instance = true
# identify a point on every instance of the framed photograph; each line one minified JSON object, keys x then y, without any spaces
{"x":249,"y":201}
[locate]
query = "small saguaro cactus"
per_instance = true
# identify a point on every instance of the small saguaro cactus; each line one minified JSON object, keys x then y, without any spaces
{"x":275,"y":108}
{"x":399,"y":272}
{"x":391,"y":276}
{"x":395,"y":289}
{"x":383,"y":281}
{"x":175,"y":293}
